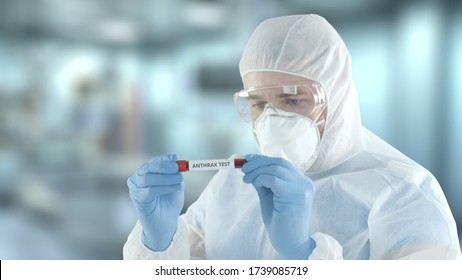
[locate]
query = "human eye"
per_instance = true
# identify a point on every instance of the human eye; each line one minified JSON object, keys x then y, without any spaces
{"x":258,"y":105}
{"x":293,"y":101}
{"x":296,"y":104}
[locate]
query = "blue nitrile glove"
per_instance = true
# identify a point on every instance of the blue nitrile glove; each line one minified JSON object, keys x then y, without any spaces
{"x":286,"y":197}
{"x":157,"y":192}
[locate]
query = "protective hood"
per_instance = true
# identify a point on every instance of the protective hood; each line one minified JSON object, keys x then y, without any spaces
{"x":309,"y":47}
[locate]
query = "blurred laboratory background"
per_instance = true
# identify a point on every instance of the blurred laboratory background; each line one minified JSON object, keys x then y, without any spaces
{"x":90,"y":89}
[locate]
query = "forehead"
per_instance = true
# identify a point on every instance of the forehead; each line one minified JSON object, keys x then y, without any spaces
{"x":268,"y":78}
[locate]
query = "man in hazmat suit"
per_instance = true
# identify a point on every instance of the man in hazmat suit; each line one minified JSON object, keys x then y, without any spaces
{"x":323,"y":187}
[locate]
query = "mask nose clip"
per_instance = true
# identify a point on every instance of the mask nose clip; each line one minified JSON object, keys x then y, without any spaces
{"x":268,"y":109}
{"x":269,"y":106}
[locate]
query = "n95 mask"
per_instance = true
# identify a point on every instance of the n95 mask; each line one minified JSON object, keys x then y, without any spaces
{"x":288,"y":135}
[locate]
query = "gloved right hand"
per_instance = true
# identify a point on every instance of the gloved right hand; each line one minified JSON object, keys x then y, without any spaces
{"x":157,"y":192}
{"x":286,"y":198}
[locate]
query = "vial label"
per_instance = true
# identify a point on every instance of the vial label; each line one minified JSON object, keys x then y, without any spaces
{"x":211,"y":164}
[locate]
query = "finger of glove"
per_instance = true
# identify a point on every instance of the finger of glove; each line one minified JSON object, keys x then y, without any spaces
{"x":283,"y":190}
{"x":148,"y":194}
{"x":144,"y":202}
{"x":275,"y":170}
{"x":271,"y":182}
{"x":153,"y":180}
{"x":165,"y":164}
{"x":266,"y":204}
{"x":255,"y":161}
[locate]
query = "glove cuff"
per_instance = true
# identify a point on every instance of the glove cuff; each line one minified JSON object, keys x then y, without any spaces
{"x":159,"y":243}
{"x":304,"y":251}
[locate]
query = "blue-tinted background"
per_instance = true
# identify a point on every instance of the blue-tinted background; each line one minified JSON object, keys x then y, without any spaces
{"x":91,"y":89}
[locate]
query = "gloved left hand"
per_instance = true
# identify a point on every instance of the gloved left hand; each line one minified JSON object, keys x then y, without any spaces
{"x":286,"y":196}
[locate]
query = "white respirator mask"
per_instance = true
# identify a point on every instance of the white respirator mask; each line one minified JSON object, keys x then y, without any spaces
{"x":288,"y":135}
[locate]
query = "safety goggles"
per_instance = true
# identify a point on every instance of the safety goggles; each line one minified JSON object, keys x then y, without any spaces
{"x":305,"y":99}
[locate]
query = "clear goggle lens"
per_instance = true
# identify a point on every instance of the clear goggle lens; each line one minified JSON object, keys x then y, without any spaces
{"x":306,"y":99}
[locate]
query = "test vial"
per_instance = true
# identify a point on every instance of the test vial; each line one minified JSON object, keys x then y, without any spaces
{"x":214,"y":164}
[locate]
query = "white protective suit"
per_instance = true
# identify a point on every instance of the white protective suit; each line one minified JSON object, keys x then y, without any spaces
{"x":371,"y":201}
